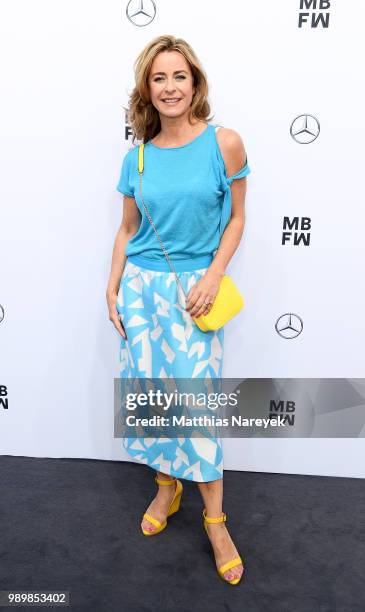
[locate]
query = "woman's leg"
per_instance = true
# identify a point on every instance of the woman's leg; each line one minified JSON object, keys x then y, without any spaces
{"x":223,"y":547}
{"x":159,"y":506}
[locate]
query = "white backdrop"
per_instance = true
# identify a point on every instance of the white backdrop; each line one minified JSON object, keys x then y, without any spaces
{"x":68,"y":70}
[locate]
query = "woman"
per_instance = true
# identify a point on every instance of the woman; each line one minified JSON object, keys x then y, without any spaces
{"x":190,"y":166}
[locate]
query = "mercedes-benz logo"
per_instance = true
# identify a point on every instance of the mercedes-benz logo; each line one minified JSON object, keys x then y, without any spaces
{"x":289,"y":325}
{"x":141,"y":12}
{"x":304,"y":129}
{"x":2,"y":313}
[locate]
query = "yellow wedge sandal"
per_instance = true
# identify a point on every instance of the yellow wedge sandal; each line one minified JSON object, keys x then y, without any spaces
{"x":233,"y":562}
{"x":174,"y":506}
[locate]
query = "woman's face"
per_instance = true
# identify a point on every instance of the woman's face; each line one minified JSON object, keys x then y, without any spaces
{"x":171,"y":77}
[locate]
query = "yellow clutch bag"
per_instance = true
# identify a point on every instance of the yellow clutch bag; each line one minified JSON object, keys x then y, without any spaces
{"x":228,"y":301}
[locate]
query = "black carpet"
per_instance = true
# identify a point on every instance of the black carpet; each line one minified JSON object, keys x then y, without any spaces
{"x":74,"y":525}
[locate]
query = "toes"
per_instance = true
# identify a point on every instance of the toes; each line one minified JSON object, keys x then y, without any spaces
{"x":234,"y":573}
{"x":147,"y":526}
{"x":231,"y":575}
{"x":238,"y":572}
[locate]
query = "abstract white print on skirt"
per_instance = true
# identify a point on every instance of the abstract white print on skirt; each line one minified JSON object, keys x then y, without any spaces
{"x":164,"y":342}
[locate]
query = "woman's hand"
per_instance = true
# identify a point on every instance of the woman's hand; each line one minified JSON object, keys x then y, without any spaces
{"x":201,"y":296}
{"x":114,"y":316}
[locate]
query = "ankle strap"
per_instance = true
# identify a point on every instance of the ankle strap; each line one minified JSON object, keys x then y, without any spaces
{"x":215,"y":519}
{"x":165,"y":482}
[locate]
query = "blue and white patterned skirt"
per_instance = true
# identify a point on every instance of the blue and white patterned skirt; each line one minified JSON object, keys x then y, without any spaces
{"x":164,"y":342}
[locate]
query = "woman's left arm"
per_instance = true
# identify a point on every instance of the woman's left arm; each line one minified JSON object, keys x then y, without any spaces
{"x":205,"y":290}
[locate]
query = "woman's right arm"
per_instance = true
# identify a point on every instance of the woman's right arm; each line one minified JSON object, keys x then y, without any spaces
{"x":130,"y":223}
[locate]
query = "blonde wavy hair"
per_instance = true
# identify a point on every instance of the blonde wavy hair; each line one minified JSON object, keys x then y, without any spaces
{"x":142,"y":116}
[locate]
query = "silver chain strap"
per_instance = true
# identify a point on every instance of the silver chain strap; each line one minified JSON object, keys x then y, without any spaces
{"x":159,"y":239}
{"x":157,"y":234}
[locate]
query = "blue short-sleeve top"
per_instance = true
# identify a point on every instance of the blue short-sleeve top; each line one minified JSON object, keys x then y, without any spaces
{"x":188,"y":195}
